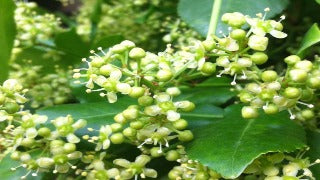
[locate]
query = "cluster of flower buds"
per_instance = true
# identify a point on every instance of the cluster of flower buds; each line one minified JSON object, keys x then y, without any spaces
{"x":57,"y":155}
{"x":178,"y":32}
{"x":278,"y":166}
{"x":44,"y":89}
{"x":188,"y":169}
{"x":295,"y":91}
{"x":32,"y":27}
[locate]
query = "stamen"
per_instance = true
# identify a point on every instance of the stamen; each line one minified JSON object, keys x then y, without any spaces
{"x":167,"y":143}
{"x":233,"y":83}
{"x":36,"y":173}
{"x":283,"y":17}
{"x":309,"y":105}
{"x":222,"y":34}
{"x":292,"y":116}
{"x":244,"y":76}
{"x":220,"y":74}
{"x":25,"y":176}
{"x":160,"y":150}
{"x":100,"y":49}
{"x":146,"y":141}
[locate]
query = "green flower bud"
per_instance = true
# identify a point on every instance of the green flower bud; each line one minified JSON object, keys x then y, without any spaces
{"x":164,"y":75}
{"x":259,"y":58}
{"x":266,"y":95}
{"x":180,"y":124}
{"x":249,"y":112}
{"x":307,"y":114}
{"x":292,"y":60}
{"x":173,"y":91}
{"x":137,"y":53}
{"x":116,"y":127}
{"x":27,"y":142}
{"x":172,"y":155}
{"x":314,"y":82}
{"x":304,"y":65}
{"x":226,"y":17}
{"x":201,"y":176}
{"x":258,"y":43}
{"x":15,"y":155}
{"x":290,"y":178}
{"x":208,"y":68}
{"x":245,"y":97}
{"x":156,"y":152}
{"x":145,"y":100}
{"x":271,"y":109}
{"x":166,"y":106}
{"x":185,"y":136}
{"x":45,"y":162}
{"x":238,"y":34}
{"x":60,"y":159}
{"x":209,"y":45}
{"x":119,"y":48}
{"x":97,"y":62}
{"x":101,"y":175}
{"x":106,"y":69}
{"x":65,"y":130}
{"x":128,"y":44}
{"x":137,"y":92}
{"x":298,"y":75}
{"x":117,"y":138}
{"x":292,"y":92}
{"x":56,"y":143}
{"x":130,"y":113}
{"x":271,"y":171}
{"x":188,"y":106}
{"x":136,"y":125}
{"x":269,"y":76}
{"x":237,"y":20}
{"x":11,"y":107}
{"x":119,"y":118}
{"x":174,"y":174}
{"x":69,"y":147}
{"x":129,"y":132}
{"x":276,"y":158}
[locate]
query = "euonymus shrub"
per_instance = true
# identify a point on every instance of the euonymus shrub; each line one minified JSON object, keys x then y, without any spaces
{"x":153,"y":123}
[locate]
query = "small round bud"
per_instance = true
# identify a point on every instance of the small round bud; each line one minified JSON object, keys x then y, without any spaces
{"x":136,"y":125}
{"x":69,"y":147}
{"x":27,"y":142}
{"x":298,"y":75}
{"x":116,"y":127}
{"x":45,"y":162}
{"x":119,"y":118}
{"x":128,"y":44}
{"x":237,"y":20}
{"x":117,"y":138}
{"x":209,"y":45}
{"x":271,"y":171}
{"x":11,"y":107}
{"x":15,"y":155}
{"x":188,"y":106}
{"x":208,"y":68}
{"x":226,"y":17}
{"x":97,"y":62}
{"x":269,"y":76}
{"x":174,"y":174}
{"x":185,"y":136}
{"x":238,"y":34}
{"x":259,"y":58}
{"x":173,"y":91}
{"x":292,"y":60}
{"x":180,"y":124}
{"x":307,"y":114}
{"x":314,"y":82}
{"x":164,"y":75}
{"x":60,"y":159}
{"x":271,"y":109}
{"x":106,"y":69}
{"x":145,"y":100}
{"x":292,"y":92}
{"x":156,"y":152}
{"x":249,"y":112}
{"x":137,"y":53}
{"x":258,"y":43}
{"x":130,"y":113}
{"x":304,"y":65}
{"x":118,"y":48}
{"x":137,"y":92}
{"x":129,"y":132}
{"x":44,"y":132}
{"x":172,"y":155}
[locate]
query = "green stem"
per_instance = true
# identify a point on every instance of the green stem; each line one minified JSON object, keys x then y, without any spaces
{"x":214,"y":17}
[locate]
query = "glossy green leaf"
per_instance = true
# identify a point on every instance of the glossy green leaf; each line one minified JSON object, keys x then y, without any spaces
{"x":7,"y":35}
{"x":216,"y":91}
{"x":311,"y":38}
{"x":197,"y":13}
{"x":318,"y":1}
{"x":228,"y":145}
{"x":72,"y":46}
{"x":314,"y":152}
{"x":7,"y":174}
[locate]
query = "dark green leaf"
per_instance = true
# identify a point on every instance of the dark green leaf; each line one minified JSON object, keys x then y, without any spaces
{"x":215,"y":91}
{"x":314,"y":152}
{"x":7,"y":35}
{"x":197,"y":13}
{"x":229,"y":144}
{"x":96,"y":114}
{"x":73,"y":47}
{"x":311,"y":38}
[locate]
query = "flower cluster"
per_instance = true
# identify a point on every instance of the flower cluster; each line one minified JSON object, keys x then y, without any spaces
{"x":43,"y":89}
{"x":33,"y":27}
{"x":278,"y":166}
